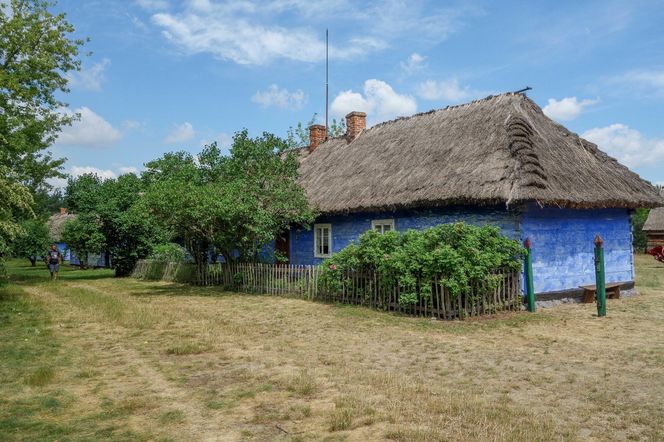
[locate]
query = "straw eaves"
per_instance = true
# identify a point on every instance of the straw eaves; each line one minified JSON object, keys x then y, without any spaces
{"x":498,"y":150}
{"x":56,"y":223}
{"x":655,"y":221}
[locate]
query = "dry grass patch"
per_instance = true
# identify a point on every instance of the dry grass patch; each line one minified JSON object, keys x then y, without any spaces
{"x":187,"y":348}
{"x":186,"y":363}
{"x":303,"y":383}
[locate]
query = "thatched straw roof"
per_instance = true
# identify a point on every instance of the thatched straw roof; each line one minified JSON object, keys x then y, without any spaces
{"x":498,"y":150}
{"x":655,"y":221}
{"x":56,"y":222}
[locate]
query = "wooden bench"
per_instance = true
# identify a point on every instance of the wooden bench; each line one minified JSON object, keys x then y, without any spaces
{"x":590,"y":292}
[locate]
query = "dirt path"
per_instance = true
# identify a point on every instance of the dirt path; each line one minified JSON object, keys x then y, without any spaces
{"x":126,"y":375}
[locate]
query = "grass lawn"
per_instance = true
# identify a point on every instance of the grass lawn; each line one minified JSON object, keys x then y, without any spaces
{"x":92,"y":357}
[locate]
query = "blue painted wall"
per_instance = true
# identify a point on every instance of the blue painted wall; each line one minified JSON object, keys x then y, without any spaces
{"x":347,"y":228}
{"x":563,"y":249}
{"x":562,"y":239}
{"x":62,"y":247}
{"x":94,"y":260}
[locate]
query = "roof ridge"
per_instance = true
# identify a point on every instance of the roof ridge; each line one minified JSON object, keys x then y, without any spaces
{"x":449,"y":107}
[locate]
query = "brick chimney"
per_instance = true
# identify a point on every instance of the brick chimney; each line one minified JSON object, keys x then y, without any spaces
{"x":63,"y":211}
{"x":317,"y":135}
{"x":356,"y":122}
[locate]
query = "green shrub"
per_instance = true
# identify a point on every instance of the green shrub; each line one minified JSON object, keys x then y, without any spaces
{"x":458,"y":254}
{"x":638,"y":235}
{"x":33,"y":242}
{"x":168,"y":252}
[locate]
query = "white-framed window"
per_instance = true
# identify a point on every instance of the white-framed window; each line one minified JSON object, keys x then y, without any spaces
{"x":382,"y":225}
{"x":322,"y":240}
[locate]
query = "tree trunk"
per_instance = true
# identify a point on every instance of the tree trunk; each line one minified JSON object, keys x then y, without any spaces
{"x":33,"y":261}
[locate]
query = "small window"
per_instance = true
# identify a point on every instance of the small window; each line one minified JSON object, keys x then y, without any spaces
{"x":382,"y":225}
{"x":322,"y":240}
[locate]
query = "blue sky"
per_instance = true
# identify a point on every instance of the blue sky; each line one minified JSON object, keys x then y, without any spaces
{"x":170,"y":75}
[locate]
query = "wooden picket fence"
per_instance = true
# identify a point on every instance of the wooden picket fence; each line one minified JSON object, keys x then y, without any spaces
{"x":365,"y":289}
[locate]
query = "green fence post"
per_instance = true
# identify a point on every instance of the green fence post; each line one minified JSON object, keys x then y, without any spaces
{"x":530,"y":287}
{"x":600,"y":283}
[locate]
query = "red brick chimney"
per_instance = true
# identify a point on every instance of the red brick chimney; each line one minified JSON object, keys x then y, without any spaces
{"x":317,"y":135}
{"x":63,"y":211}
{"x":356,"y":122}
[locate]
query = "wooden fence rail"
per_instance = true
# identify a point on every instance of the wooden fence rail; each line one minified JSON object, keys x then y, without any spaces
{"x":303,"y":281}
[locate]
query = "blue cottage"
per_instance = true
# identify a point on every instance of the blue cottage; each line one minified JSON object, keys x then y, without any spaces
{"x":55,"y":225}
{"x":496,"y":161}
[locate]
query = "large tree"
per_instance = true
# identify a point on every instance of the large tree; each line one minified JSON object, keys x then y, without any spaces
{"x":36,"y":53}
{"x":14,"y":198}
{"x":83,"y":236}
{"x":83,"y":193}
{"x":180,"y":195}
{"x":236,"y":203}
{"x":129,"y":232}
{"x":33,"y":242}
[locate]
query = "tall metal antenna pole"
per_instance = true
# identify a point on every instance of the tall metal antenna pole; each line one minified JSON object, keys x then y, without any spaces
{"x":327,"y":45}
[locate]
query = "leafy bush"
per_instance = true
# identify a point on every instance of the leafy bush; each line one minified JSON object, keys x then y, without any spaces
{"x":638,"y":235}
{"x":33,"y":242}
{"x":458,"y":254}
{"x":83,"y":236}
{"x":170,"y":252}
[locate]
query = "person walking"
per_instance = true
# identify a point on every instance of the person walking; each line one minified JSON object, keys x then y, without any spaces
{"x":54,"y":258}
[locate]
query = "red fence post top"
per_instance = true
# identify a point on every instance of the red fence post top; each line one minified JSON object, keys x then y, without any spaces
{"x":527,"y":243}
{"x":599,"y":242}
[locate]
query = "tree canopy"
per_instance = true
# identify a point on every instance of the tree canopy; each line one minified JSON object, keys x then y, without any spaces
{"x":109,"y":209}
{"x":33,"y":242}
{"x":36,"y":53}
{"x":236,"y":203}
{"x":298,"y":136}
{"x":83,"y":236}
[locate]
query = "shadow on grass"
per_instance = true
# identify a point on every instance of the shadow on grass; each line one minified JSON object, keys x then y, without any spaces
{"x":21,"y":272}
{"x":150,"y":288}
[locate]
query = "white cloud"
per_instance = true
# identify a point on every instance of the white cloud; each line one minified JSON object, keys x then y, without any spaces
{"x":91,"y":78}
{"x":414,"y":63}
{"x":245,"y":32}
{"x":274,"y":96}
{"x":379,"y":101}
{"x":57,"y":183}
{"x":128,"y":169}
{"x":91,"y":130}
{"x":239,"y":41}
{"x":628,"y":145}
{"x":448,"y":90}
{"x":181,"y":133}
{"x":76,"y":171}
{"x":132,"y":125}
{"x":650,"y":82}
{"x":224,"y":141}
{"x":566,"y":109}
{"x":153,"y":5}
